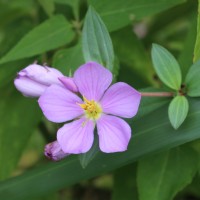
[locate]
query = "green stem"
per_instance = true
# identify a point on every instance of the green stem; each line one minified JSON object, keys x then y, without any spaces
{"x":157,"y":94}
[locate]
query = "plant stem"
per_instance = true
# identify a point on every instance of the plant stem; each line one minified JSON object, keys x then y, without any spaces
{"x":157,"y":94}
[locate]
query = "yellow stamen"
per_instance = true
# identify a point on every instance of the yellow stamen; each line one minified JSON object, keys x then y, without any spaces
{"x":92,"y":109}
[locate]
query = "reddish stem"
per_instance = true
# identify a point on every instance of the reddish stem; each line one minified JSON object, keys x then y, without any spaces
{"x":157,"y":94}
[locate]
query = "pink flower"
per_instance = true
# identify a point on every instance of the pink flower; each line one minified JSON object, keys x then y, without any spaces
{"x":101,"y":106}
{"x":35,"y":79}
{"x":54,"y":152}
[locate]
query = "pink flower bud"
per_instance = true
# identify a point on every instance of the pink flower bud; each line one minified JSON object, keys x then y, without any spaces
{"x":34,"y":79}
{"x":54,"y":152}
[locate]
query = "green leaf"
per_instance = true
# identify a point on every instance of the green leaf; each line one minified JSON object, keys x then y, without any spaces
{"x":178,"y":110}
{"x":192,"y":80}
{"x":49,"y":35}
{"x":117,"y":14}
{"x":87,"y":157}
{"x":149,"y":136}
{"x":19,"y":117}
{"x":48,"y":6}
{"x":68,"y":60}
{"x":197,"y":43}
{"x":163,"y":175}
{"x":166,"y":67}
{"x":125,"y":183}
{"x":97,"y":45}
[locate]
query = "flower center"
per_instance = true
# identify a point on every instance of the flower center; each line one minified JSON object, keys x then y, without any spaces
{"x":92,"y":109}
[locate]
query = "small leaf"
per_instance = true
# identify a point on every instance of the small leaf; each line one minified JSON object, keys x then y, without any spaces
{"x":163,"y":175}
{"x":97,"y":45}
{"x":49,"y":35}
{"x":87,"y":157}
{"x":178,"y":110}
{"x":166,"y":67}
{"x":192,"y":80}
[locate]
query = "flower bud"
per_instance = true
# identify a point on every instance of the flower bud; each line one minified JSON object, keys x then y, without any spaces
{"x":54,"y":152}
{"x":34,"y":79}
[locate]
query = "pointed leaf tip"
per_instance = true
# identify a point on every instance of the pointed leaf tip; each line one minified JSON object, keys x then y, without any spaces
{"x":166,"y":67}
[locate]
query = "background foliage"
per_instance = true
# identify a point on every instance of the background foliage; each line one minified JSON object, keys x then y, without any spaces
{"x":161,"y":163}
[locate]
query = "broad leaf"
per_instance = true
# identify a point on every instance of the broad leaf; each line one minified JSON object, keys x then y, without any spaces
{"x":125,"y":183}
{"x":97,"y":45}
{"x":178,"y":110}
{"x":18,"y":120}
{"x":119,"y":13}
{"x":192,"y":80}
{"x":150,"y":136}
{"x":49,"y":35}
{"x":166,"y":67}
{"x":162,"y":176}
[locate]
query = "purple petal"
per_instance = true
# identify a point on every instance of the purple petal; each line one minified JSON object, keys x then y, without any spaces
{"x":42,"y":74}
{"x":29,"y":87}
{"x":76,"y":137}
{"x":68,"y":82}
{"x":92,"y":80}
{"x":114,"y":134}
{"x":54,"y":152}
{"x":59,"y":104}
{"x":121,"y":100}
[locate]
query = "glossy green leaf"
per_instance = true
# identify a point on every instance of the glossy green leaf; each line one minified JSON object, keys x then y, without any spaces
{"x":178,"y":110}
{"x":163,"y":175}
{"x":197,"y":43}
{"x":48,"y":6}
{"x":117,"y":14}
{"x":192,"y":80}
{"x":149,"y":136}
{"x":97,"y":45}
{"x":68,"y":60}
{"x":87,"y":157}
{"x":18,"y":121}
{"x":49,"y":35}
{"x":125,"y":183}
{"x":166,"y":67}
